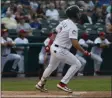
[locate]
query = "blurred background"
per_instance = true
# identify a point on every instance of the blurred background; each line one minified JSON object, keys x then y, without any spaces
{"x":39,"y":18}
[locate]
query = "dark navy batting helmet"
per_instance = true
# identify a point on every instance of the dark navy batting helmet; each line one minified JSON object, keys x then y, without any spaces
{"x":73,"y":12}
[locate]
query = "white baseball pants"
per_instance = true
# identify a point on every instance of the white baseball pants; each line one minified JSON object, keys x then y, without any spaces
{"x":97,"y":61}
{"x":14,"y":57}
{"x":58,"y":55}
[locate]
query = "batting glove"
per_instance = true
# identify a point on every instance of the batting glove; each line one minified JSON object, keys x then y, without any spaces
{"x":86,"y":53}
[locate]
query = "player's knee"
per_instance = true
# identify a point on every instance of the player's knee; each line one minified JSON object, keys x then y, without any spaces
{"x":84,"y":62}
{"x":78,"y":64}
{"x":17,"y":57}
{"x":100,"y":61}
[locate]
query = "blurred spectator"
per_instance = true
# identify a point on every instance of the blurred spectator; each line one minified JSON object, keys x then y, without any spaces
{"x":90,"y":4}
{"x":109,"y":7}
{"x":6,"y":55}
{"x":63,"y":4}
{"x":83,"y":5}
{"x":35,"y":23}
{"x":34,"y":5}
{"x":18,"y":12}
{"x":97,"y":16}
{"x":21,"y":39}
{"x":40,"y":13}
{"x":86,"y":17}
{"x":9,"y":21}
{"x":104,"y":12}
{"x":5,"y":7}
{"x":24,"y":26}
{"x":108,"y":22}
{"x":52,"y":13}
{"x":101,"y":2}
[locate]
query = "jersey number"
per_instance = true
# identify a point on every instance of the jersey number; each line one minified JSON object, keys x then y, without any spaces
{"x":64,"y":25}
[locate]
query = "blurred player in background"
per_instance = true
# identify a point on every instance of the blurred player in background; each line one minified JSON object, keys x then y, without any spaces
{"x":6,"y":55}
{"x":21,"y":39}
{"x":44,"y":55}
{"x":84,"y":42}
{"x":99,"y":44}
{"x":67,"y":35}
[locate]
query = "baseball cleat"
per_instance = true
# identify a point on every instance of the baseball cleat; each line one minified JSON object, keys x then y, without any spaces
{"x":64,"y":87}
{"x":41,"y":88}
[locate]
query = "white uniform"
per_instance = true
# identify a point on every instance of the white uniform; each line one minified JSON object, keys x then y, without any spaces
{"x":42,"y":52}
{"x":19,"y":40}
{"x":96,"y":53}
{"x":66,"y":31}
{"x":6,"y":54}
{"x":80,"y":55}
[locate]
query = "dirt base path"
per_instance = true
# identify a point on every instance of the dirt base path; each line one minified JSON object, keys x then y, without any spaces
{"x":55,"y":94}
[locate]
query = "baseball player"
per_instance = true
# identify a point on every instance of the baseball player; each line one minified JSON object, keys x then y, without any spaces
{"x":99,"y":44}
{"x":84,"y":42}
{"x":67,"y":35}
{"x":21,"y":39}
{"x":44,"y":54}
{"x":6,"y":55}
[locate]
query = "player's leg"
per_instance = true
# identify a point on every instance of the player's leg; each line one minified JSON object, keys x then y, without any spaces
{"x":97,"y":65}
{"x":97,"y":62}
{"x":75,"y":66}
{"x":21,"y":67}
{"x":53,"y":64}
{"x":3,"y":62}
{"x":16,"y":59}
{"x":83,"y":62}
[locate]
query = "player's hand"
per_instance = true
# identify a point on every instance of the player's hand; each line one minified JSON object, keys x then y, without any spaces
{"x":47,"y":49}
{"x":10,"y":44}
{"x":86,"y":53}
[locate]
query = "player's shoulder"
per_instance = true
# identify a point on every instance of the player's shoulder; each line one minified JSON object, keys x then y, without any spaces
{"x":98,"y":38}
{"x":70,"y":24}
{"x":81,"y":40}
{"x":17,"y":39}
{"x":9,"y":39}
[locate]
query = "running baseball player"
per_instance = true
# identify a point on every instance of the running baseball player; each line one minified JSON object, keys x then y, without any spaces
{"x":67,"y":35}
{"x":6,"y":55}
{"x":21,"y":39}
{"x":99,"y":44}
{"x":85,"y":43}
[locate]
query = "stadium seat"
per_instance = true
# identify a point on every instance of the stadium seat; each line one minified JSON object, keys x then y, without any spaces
{"x":12,"y":32}
{"x":87,"y":25}
{"x":37,"y":32}
{"x":100,"y":30}
{"x":98,"y":25}
{"x":45,"y":31}
{"x":44,"y":23}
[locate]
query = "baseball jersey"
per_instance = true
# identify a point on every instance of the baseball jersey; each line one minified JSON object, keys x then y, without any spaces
{"x":66,"y":31}
{"x":19,"y":40}
{"x":96,"y":49}
{"x":5,"y":50}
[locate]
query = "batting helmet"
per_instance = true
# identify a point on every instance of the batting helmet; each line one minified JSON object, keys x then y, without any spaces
{"x":102,"y":34}
{"x":73,"y":11}
{"x":85,"y":36}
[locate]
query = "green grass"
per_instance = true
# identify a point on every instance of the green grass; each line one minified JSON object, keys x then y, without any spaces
{"x":78,"y":84}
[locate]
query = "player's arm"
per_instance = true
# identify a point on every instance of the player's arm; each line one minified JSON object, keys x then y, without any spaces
{"x":4,"y":44}
{"x":73,"y":35}
{"x":76,"y":44}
